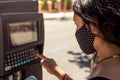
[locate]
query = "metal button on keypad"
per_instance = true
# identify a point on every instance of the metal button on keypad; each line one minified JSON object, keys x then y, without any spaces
{"x":8,"y":68}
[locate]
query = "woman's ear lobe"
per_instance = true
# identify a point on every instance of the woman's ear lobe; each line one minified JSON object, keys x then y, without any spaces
{"x":94,"y":30}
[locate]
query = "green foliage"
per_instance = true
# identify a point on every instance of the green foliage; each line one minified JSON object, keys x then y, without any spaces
{"x":69,"y":2}
{"x":44,"y":4}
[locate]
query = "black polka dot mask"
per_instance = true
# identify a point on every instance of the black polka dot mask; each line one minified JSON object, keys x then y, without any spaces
{"x":85,"y":40}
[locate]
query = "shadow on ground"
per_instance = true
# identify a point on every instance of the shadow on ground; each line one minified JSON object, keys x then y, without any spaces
{"x":81,"y":59}
{"x":59,"y":19}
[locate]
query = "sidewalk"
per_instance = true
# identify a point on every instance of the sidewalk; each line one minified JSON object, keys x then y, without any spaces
{"x":58,"y":15}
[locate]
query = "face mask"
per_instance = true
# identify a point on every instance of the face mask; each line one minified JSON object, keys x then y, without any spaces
{"x":85,"y":39}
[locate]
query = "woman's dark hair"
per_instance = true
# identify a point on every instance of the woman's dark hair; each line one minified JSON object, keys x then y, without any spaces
{"x":107,"y":12}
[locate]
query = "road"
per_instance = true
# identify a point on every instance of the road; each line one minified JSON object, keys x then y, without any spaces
{"x":61,"y":45}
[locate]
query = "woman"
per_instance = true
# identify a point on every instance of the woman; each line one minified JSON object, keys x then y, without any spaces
{"x":98,"y":31}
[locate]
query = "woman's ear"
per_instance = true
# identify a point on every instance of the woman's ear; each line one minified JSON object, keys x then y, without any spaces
{"x":94,"y":30}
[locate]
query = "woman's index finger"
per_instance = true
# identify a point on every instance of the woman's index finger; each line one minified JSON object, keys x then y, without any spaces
{"x":40,"y":56}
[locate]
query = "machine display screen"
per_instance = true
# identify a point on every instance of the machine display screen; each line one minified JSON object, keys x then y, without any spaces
{"x":23,"y":33}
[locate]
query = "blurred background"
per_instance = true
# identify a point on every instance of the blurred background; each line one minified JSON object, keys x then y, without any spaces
{"x":52,"y":6}
{"x":60,"y":42}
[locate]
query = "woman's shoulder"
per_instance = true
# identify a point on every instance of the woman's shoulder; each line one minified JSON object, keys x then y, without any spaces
{"x":99,"y":78}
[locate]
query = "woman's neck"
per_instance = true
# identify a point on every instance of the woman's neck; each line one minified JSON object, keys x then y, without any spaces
{"x":106,"y":50}
{"x":109,"y":67}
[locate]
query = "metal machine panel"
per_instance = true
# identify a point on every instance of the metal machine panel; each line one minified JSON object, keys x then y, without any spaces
{"x":19,"y":56}
{"x":16,"y":6}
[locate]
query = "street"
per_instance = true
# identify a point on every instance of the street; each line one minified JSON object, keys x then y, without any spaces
{"x":61,"y":45}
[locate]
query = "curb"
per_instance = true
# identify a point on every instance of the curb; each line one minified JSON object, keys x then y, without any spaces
{"x":59,"y":15}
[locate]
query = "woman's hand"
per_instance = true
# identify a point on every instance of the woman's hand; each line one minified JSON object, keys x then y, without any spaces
{"x":50,"y":65}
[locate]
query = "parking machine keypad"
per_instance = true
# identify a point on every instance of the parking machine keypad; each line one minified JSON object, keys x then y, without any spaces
{"x":20,"y":58}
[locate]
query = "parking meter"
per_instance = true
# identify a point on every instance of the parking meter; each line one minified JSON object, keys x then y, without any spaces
{"x":21,"y":37}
